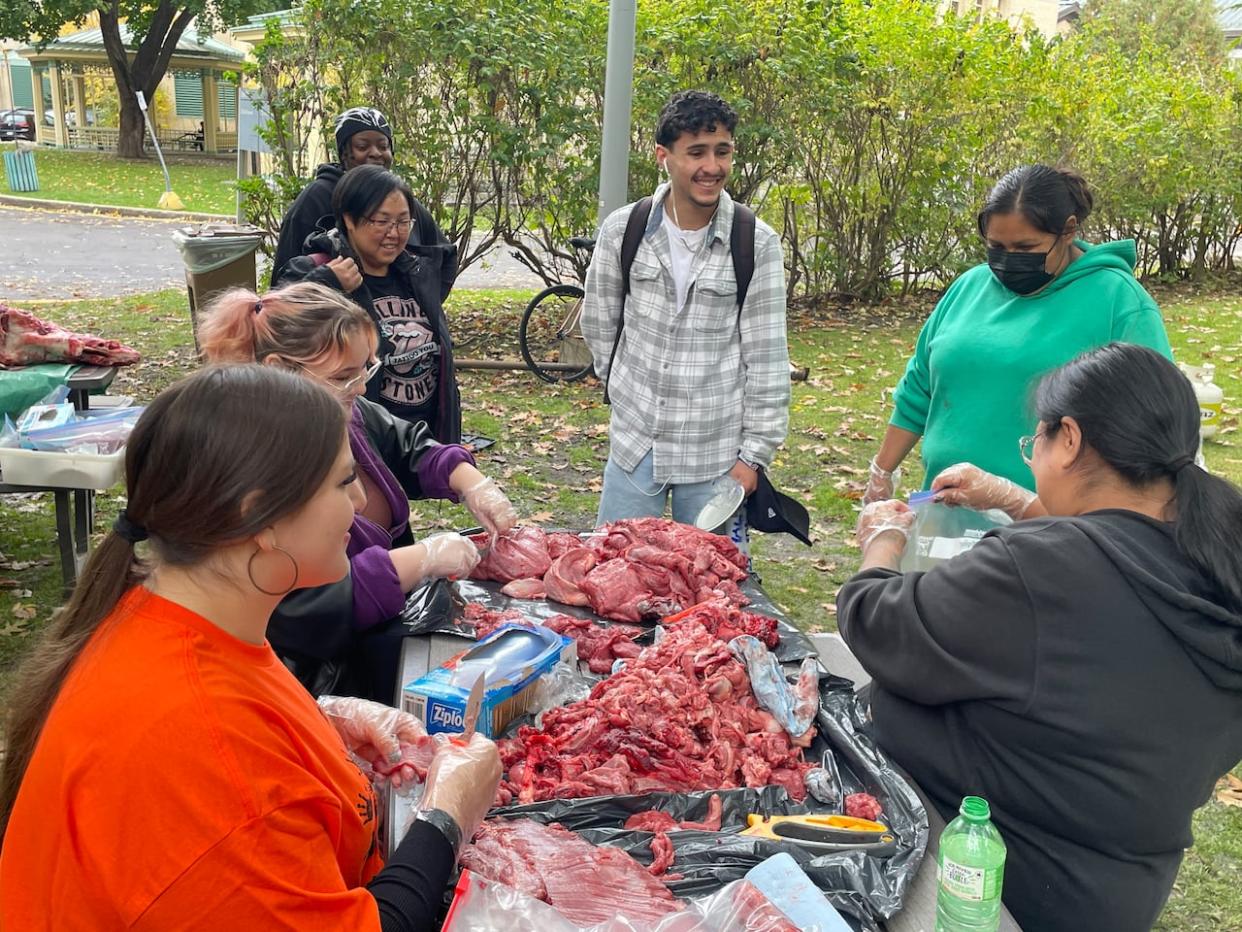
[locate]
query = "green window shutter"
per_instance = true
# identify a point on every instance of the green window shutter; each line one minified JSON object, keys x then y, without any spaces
{"x":188,"y":94}
{"x":227,"y":93}
{"x":23,"y":93}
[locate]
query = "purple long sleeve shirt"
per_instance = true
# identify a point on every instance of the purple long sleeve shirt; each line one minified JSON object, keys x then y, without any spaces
{"x":378,"y":595}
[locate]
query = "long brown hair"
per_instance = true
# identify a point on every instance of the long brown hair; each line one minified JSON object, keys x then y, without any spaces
{"x":301,"y":324}
{"x":213,"y":460}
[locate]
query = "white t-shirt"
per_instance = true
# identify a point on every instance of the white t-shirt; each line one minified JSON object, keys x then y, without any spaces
{"x":683,"y":246}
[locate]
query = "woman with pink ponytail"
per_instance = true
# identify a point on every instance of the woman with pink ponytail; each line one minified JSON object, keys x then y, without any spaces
{"x":333,"y":637}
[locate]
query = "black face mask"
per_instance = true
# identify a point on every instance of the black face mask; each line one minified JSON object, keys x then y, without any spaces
{"x":1021,"y":272}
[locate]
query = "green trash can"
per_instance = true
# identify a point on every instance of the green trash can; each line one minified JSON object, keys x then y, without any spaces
{"x":19,"y":171}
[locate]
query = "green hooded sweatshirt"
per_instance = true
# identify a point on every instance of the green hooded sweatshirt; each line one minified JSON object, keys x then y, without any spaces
{"x":967,"y":390}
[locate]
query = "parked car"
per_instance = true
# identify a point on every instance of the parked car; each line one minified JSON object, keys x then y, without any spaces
{"x":17,"y":124}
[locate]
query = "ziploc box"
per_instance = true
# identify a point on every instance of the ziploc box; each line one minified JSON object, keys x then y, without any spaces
{"x":513,"y":658}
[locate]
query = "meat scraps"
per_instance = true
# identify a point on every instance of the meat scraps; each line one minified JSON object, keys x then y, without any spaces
{"x":599,"y":645}
{"x":680,"y":716}
{"x":26,"y":340}
{"x":657,"y":820}
{"x":863,"y":806}
{"x":586,"y":884}
{"x":628,"y":570}
{"x":727,"y":621}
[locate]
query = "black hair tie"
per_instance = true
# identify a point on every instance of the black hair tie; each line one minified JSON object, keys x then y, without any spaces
{"x":1179,"y":464}
{"x":128,"y":530}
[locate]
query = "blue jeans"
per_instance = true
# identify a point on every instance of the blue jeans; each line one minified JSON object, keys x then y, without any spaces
{"x":637,"y":495}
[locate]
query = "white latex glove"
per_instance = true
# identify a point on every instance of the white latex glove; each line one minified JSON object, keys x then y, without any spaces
{"x":490,"y":507}
{"x":881,"y":517}
{"x":881,"y":484}
{"x":966,"y":484}
{"x":448,"y":556}
{"x":462,"y":781}
{"x":375,"y":733}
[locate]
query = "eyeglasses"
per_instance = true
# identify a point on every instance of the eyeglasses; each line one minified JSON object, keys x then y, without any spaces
{"x":401,"y":226}
{"x":348,"y":385}
{"x":1026,"y":446}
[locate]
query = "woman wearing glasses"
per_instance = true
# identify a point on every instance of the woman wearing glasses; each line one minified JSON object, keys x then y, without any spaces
{"x":1043,"y":296}
{"x":1083,"y":670}
{"x":372,"y":256}
{"x":333,"y":637}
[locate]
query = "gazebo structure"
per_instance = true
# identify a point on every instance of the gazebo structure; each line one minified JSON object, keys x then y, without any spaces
{"x":66,"y":61}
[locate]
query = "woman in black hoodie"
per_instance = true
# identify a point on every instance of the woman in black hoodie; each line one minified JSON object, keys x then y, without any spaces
{"x":383,"y":253}
{"x":1081,"y":671}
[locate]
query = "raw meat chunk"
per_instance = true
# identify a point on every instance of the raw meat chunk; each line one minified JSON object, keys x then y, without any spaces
{"x":532,"y":588}
{"x":863,"y":806}
{"x":519,"y":554}
{"x":26,"y":340}
{"x":588,"y":885}
{"x":563,"y":580}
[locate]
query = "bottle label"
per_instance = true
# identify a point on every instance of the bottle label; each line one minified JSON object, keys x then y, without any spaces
{"x":969,"y":883}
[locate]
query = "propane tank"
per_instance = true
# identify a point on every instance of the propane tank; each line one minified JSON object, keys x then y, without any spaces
{"x":1209,"y":395}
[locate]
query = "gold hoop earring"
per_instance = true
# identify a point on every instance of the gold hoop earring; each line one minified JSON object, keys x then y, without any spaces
{"x":253,"y":582}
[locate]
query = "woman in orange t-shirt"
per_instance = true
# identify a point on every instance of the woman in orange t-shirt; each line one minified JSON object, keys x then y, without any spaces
{"x":163,"y":769}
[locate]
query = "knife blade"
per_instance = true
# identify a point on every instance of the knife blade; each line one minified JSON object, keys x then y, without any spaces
{"x":473,"y":705}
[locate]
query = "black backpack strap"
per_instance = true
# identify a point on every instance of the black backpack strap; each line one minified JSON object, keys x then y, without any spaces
{"x":742,"y":248}
{"x":635,"y":227}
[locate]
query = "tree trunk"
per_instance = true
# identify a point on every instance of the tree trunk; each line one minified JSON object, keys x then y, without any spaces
{"x":133,"y":130}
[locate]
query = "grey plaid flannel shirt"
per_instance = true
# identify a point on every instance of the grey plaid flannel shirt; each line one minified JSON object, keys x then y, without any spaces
{"x":700,"y":387}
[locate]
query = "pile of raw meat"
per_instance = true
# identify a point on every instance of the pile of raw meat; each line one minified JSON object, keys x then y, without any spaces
{"x":26,"y":340}
{"x":587,"y":884}
{"x":628,"y":570}
{"x":598,"y":645}
{"x":680,"y":716}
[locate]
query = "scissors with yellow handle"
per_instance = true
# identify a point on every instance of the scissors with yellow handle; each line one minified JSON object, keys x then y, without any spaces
{"x":825,"y":833}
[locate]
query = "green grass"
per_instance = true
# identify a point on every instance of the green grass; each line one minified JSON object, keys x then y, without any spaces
{"x":204,"y":185}
{"x":552,"y":441}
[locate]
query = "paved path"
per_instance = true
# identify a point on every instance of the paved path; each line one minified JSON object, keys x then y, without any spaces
{"x":45,"y":255}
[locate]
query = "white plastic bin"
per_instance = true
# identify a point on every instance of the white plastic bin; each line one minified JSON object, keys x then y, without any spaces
{"x":61,"y":470}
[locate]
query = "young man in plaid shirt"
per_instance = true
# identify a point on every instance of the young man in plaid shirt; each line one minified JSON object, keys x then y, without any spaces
{"x":699,"y":386}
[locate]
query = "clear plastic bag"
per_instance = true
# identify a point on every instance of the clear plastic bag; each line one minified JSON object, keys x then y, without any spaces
{"x":941,"y":532}
{"x":100,"y":434}
{"x":481,"y":905}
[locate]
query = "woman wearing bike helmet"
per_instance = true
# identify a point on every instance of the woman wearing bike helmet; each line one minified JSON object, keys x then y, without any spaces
{"x":370,"y":257}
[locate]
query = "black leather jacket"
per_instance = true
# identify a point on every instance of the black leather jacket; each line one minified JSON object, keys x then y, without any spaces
{"x":312,"y":630}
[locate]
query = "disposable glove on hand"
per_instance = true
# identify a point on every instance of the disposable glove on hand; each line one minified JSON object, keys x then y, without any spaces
{"x":462,"y":781}
{"x":449,"y":556}
{"x":880,"y":517}
{"x":375,"y":733}
{"x":967,"y":484}
{"x":881,"y":484}
{"x":490,"y":507}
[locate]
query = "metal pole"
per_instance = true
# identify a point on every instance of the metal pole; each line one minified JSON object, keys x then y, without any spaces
{"x":614,"y":165}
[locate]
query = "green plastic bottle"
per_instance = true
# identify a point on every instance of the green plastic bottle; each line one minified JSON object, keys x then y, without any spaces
{"x":972,"y":869}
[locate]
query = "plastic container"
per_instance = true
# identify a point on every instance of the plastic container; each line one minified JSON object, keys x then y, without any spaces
{"x":1209,"y":395}
{"x":61,"y":470}
{"x":941,"y":532}
{"x":972,"y":871}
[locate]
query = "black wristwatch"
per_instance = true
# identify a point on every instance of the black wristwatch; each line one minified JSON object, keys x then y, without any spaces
{"x":445,"y":823}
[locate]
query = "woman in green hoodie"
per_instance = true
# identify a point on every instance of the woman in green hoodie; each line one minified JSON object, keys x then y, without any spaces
{"x":1043,"y":297}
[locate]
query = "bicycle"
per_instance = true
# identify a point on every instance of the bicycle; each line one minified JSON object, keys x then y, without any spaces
{"x":550,"y":335}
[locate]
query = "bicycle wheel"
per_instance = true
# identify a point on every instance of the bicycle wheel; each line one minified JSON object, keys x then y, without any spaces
{"x":550,"y":338}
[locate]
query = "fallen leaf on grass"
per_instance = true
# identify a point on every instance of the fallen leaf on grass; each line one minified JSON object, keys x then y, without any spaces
{"x":1231,"y":792}
{"x":540,"y":517}
{"x":25,"y":611}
